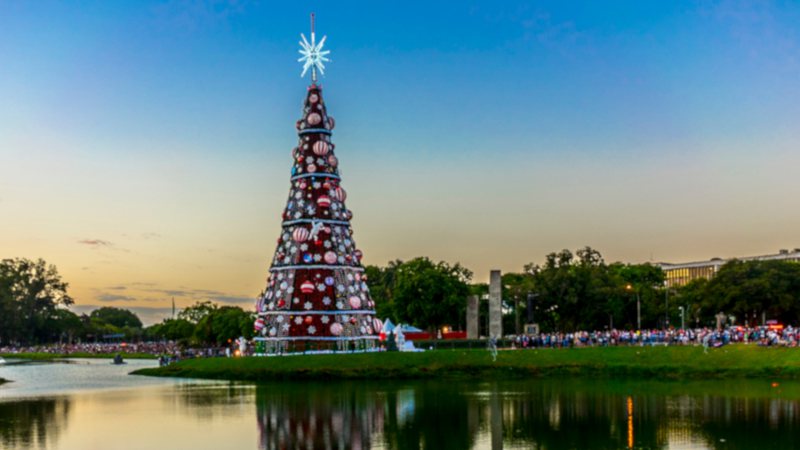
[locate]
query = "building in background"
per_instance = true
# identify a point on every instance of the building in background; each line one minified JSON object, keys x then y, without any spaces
{"x":677,"y":275}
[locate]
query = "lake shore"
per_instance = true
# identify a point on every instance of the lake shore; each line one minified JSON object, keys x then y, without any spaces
{"x":59,"y":356}
{"x":675,"y":363}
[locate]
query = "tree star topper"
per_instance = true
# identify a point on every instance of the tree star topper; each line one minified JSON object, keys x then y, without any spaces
{"x":314,"y":57}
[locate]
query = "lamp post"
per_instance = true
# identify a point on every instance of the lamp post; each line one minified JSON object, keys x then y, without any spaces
{"x":638,"y":307}
{"x":666,"y":306}
{"x":681,"y":308}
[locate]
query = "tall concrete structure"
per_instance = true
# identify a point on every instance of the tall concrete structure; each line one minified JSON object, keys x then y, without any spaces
{"x":495,"y":305}
{"x":472,"y":317}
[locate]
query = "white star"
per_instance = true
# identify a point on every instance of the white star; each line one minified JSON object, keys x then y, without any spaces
{"x":314,"y":57}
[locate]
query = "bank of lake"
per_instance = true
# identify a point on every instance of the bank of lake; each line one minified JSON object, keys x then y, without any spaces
{"x":676,"y":363}
{"x":42,"y":356}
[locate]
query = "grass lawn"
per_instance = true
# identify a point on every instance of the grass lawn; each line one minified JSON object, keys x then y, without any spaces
{"x":734,"y":361}
{"x":52,"y":356}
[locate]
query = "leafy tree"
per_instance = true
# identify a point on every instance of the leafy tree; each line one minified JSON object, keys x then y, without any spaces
{"x":381,"y":282}
{"x":64,"y":325}
{"x":516,"y":287}
{"x":429,"y":295}
{"x":579,"y":291}
{"x":171,"y":329}
{"x":222,"y":324}
{"x":196,"y":312}
{"x":116,"y":317}
{"x":31,"y":292}
{"x":748,"y":290}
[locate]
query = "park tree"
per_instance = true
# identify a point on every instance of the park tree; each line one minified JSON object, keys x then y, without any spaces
{"x":196,"y":312}
{"x":381,"y":281}
{"x":116,"y":317}
{"x":31,"y":293}
{"x":223,"y":324}
{"x":516,"y":289}
{"x":179,"y":330}
{"x":579,"y":291}
{"x":429,"y":295}
{"x":753,"y":290}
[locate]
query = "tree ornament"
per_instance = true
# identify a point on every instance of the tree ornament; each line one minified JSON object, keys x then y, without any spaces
{"x":330,"y":257}
{"x":324,"y":201}
{"x":307,"y":287}
{"x":300,"y":234}
{"x":314,"y":119}
{"x":320,"y":148}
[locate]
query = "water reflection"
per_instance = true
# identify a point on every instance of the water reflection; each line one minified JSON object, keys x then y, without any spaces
{"x":533,"y":414}
{"x":539,"y":414}
{"x":32,"y":423}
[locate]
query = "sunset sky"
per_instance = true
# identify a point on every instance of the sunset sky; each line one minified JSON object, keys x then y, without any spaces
{"x":145,"y":146}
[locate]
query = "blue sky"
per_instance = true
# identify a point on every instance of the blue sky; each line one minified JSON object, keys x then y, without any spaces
{"x":477,"y":132}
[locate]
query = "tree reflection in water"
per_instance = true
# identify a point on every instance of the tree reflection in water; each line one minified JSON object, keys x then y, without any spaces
{"x":32,"y":423}
{"x":542,"y":414}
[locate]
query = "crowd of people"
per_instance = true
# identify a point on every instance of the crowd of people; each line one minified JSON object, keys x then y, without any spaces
{"x":152,"y":348}
{"x":708,"y":337}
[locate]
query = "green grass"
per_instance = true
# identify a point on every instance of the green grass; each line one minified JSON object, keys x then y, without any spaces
{"x":55,"y":356}
{"x":674,"y":363}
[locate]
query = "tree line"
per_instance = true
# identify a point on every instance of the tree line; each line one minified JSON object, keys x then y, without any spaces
{"x":578,"y":290}
{"x":34,"y":309}
{"x":569,"y":291}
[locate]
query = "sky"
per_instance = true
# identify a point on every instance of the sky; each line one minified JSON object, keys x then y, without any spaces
{"x":145,"y":146}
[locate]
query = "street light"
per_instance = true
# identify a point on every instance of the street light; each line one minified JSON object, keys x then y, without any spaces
{"x":681,"y":308}
{"x":666,"y":306}
{"x":638,"y":307}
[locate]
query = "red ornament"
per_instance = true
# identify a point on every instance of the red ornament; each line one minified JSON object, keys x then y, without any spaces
{"x":281,"y":303}
{"x":307,"y":287}
{"x":309,"y":320}
{"x":324,"y":201}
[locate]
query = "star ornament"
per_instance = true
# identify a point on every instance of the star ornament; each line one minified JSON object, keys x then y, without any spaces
{"x":314,"y":57}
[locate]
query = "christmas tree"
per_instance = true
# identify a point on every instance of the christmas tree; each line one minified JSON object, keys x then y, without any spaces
{"x":316,"y":296}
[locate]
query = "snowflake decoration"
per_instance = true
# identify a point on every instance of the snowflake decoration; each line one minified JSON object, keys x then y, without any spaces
{"x":326,"y":301}
{"x":312,"y":329}
{"x":314,"y":57}
{"x":298,"y":320}
{"x":325,"y":319}
{"x":308,"y":305}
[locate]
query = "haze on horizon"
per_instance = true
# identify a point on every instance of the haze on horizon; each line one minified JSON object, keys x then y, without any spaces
{"x":145,"y":146}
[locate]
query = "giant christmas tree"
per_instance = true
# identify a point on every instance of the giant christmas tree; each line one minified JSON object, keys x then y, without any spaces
{"x":316,"y":296}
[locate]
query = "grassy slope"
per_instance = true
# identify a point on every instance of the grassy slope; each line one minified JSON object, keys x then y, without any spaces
{"x":51,"y":356}
{"x":657,"y":362}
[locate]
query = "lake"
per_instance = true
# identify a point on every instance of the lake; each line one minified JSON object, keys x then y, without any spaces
{"x":92,"y":404}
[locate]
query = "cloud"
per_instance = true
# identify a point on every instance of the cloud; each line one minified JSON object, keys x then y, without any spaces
{"x":117,"y":288}
{"x":95,"y":243}
{"x":108,"y":298}
{"x":148,"y":236}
